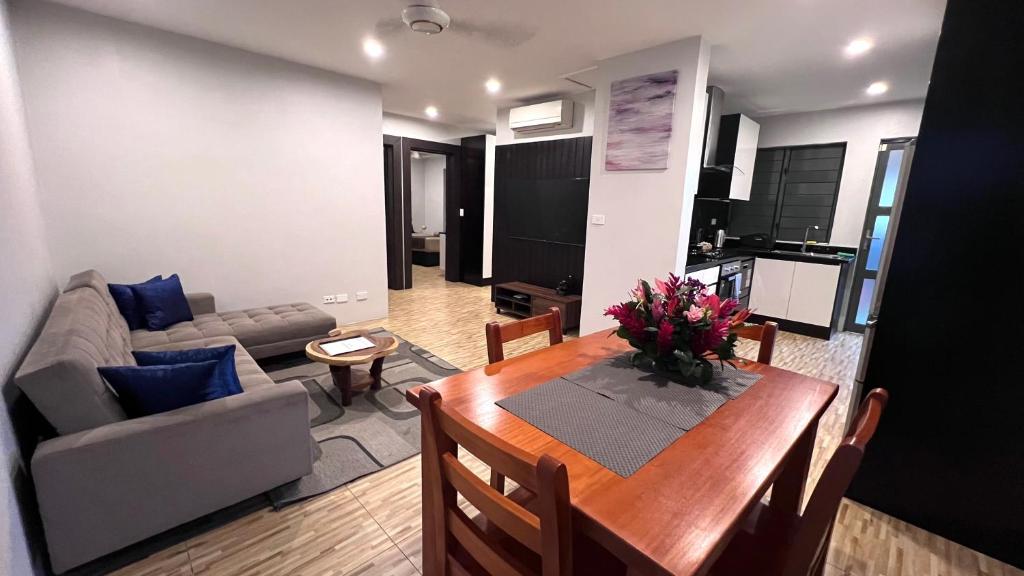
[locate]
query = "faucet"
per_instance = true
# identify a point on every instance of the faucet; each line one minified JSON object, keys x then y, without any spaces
{"x":807,"y":231}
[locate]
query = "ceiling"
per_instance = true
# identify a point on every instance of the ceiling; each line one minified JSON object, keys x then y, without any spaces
{"x":770,"y":57}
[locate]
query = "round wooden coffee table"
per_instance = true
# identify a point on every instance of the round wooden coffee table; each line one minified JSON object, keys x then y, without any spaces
{"x":341,"y":365}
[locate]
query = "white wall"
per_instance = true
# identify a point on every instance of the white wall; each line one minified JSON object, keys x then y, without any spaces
{"x":256,"y":179}
{"x":408,"y":127}
{"x":582,"y":124}
{"x":433,"y":192}
{"x":27,"y":287}
{"x":862,"y":128}
{"x":426,"y":191}
{"x":489,"y":143}
{"x":647,"y":212}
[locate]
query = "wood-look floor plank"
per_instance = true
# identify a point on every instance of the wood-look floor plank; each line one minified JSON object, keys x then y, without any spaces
{"x":355,"y":530}
{"x":391,"y":563}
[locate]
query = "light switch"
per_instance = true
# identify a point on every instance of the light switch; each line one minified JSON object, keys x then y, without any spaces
{"x":341,"y":298}
{"x":462,"y":211}
{"x":361,"y":295}
{"x":597,"y":219}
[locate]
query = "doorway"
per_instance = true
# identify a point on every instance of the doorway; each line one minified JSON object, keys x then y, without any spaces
{"x":891,"y":169}
{"x":422,"y":190}
{"x":427,"y":191}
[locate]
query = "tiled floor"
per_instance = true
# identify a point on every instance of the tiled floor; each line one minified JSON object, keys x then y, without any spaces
{"x":372,"y":526}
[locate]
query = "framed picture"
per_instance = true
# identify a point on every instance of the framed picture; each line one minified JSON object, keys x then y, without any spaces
{"x":640,"y":122}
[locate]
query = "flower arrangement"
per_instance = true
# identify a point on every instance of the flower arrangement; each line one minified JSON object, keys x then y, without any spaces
{"x":678,"y":326}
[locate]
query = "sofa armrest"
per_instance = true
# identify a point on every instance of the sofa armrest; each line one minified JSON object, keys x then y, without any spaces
{"x":102,"y":489}
{"x":201,"y":303}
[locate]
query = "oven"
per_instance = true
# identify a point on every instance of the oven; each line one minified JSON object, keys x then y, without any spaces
{"x":735,"y":279}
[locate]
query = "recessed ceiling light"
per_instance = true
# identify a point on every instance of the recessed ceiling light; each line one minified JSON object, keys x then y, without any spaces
{"x":431,"y":111}
{"x":859,"y":46}
{"x":373,"y":48}
{"x":493,"y":85}
{"x":877,"y":88}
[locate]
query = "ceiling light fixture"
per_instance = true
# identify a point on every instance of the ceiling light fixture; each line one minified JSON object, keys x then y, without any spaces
{"x":431,"y":111}
{"x":493,"y":85}
{"x":877,"y":88}
{"x":373,"y":48}
{"x":859,"y":46}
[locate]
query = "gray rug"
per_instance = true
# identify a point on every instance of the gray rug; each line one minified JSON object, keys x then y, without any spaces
{"x":377,"y":430}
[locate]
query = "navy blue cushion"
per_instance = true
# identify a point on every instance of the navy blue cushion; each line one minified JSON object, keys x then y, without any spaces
{"x":146,"y":390}
{"x":225,"y":373}
{"x":127,"y":305}
{"x":163,"y":302}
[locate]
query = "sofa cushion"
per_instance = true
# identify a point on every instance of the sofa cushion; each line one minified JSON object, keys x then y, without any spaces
{"x":253,"y":327}
{"x":84,"y":331}
{"x":94,"y":280}
{"x":147,"y":390}
{"x":162,"y":302}
{"x":128,"y":305}
{"x":250,"y":375}
{"x":224,"y":355}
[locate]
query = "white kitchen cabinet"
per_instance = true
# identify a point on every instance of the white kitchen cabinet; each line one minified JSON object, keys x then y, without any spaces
{"x":813,"y":294}
{"x":743,"y":160}
{"x":770,"y":292}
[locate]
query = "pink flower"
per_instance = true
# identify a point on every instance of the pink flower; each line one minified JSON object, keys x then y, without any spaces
{"x":728,"y":306}
{"x":695,"y":314}
{"x":714,"y":303}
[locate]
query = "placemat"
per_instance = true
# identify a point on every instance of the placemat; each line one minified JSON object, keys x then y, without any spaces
{"x":649,"y":393}
{"x":611,"y":433}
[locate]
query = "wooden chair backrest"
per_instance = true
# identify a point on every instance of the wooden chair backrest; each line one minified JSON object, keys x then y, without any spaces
{"x":810,"y":544}
{"x":765,"y":334}
{"x":498,"y":334}
{"x":548,"y":533}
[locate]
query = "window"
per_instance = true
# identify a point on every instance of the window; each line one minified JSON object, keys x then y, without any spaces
{"x":792,"y":188}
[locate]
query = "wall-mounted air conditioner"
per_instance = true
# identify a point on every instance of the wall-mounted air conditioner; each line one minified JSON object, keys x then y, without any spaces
{"x":553,"y":115}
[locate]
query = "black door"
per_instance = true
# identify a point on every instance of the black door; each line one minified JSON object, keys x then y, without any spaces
{"x":949,"y":452}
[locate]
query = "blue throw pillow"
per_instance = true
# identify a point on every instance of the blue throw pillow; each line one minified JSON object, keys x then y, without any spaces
{"x":127,"y":305}
{"x":146,"y":390}
{"x":163,"y":302}
{"x":225,"y":374}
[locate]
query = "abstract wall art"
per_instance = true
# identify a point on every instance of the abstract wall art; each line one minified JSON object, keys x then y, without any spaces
{"x":640,"y":122}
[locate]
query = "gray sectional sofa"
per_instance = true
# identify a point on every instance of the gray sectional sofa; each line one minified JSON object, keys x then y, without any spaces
{"x":106,"y":481}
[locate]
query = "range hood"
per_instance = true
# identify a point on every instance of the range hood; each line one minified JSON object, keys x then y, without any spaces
{"x":712,"y":125}
{"x":730,"y":148}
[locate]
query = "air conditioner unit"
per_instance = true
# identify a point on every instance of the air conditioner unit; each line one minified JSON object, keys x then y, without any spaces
{"x":553,"y":115}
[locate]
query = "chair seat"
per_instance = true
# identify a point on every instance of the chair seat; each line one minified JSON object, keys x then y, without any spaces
{"x":760,"y":545}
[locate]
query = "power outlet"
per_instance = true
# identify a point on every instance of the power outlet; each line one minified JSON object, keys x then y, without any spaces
{"x":362,"y":295}
{"x":329,"y":299}
{"x":341,"y":298}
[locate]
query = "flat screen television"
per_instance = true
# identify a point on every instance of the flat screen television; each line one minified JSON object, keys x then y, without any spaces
{"x":549,"y":210}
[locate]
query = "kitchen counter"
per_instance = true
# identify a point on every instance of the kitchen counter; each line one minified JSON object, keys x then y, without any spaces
{"x":695,"y":263}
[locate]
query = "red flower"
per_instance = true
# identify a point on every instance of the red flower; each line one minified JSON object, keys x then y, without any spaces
{"x":628,"y":318}
{"x":665,"y":330}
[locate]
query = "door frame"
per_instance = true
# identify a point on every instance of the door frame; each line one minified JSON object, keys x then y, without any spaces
{"x":394,"y":203}
{"x":860,"y":272}
{"x":452,"y":204}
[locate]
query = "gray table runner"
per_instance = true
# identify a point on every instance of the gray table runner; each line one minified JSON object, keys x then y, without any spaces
{"x":622,"y":416}
{"x":618,"y":437}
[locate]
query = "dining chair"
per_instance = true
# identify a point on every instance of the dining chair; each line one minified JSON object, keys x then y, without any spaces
{"x":774,"y":543}
{"x":526,"y":532}
{"x":499,"y":334}
{"x":765,"y":334}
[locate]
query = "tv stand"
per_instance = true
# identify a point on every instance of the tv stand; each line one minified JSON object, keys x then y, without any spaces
{"x":525,"y":300}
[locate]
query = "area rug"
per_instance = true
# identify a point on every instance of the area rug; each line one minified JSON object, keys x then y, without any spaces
{"x":377,"y":430}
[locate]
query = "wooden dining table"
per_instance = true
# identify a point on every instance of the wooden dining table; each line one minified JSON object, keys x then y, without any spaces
{"x":677,"y":513}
